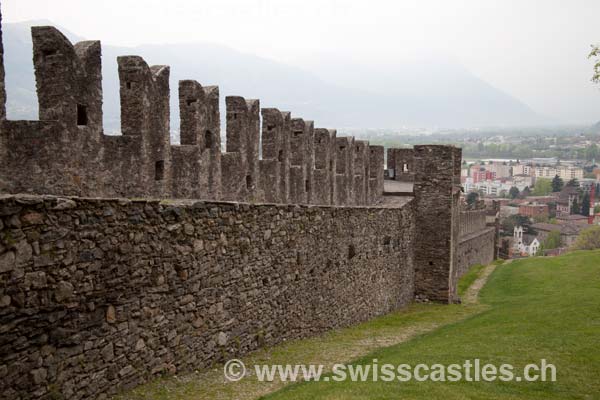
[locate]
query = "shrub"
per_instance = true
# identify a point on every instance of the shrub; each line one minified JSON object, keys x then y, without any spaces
{"x":589,"y":239}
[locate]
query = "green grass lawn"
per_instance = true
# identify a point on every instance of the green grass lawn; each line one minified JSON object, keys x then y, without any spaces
{"x":539,"y":308}
{"x":468,"y":278}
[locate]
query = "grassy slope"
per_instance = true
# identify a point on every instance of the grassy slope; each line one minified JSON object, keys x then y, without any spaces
{"x":468,"y":278}
{"x":539,"y":308}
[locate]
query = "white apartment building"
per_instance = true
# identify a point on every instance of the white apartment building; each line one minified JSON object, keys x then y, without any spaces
{"x":569,"y":172}
{"x":499,"y":169}
{"x":522,"y":181}
{"x":566,"y":172}
{"x":496,"y":187}
{"x":521,"y":169}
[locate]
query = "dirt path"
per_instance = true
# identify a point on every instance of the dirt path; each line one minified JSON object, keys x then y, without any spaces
{"x":472,"y":293}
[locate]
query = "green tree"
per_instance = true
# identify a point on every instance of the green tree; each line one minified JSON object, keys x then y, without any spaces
{"x":472,"y":198}
{"x":595,"y":55}
{"x":542,"y":187}
{"x":557,"y":184}
{"x":575,"y":207}
{"x":513,"y":193}
{"x":573,"y":183}
{"x":589,"y":239}
{"x":552,"y":241}
{"x":585,"y":204}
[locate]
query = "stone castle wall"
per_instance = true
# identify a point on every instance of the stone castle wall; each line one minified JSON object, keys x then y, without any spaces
{"x":477,"y":240}
{"x":477,"y":248}
{"x":291,"y":238}
{"x":67,"y":153}
{"x":99,"y":295}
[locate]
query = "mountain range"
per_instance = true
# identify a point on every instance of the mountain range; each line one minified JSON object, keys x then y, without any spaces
{"x":336,"y":93}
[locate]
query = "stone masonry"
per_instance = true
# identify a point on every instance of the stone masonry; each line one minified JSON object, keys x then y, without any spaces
{"x":101,"y":295}
{"x":67,"y":153}
{"x":103,"y":288}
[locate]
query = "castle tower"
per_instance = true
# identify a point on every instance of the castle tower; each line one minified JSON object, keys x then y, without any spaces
{"x":437,"y":208}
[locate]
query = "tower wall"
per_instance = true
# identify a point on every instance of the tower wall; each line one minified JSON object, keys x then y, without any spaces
{"x":437,"y":228}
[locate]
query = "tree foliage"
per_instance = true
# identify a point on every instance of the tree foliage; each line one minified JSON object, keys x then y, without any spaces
{"x":575,"y":208}
{"x":595,"y":55}
{"x":585,"y":204}
{"x":557,"y":184}
{"x":542,"y":187}
{"x":513,"y":192}
{"x":472,"y":198}
{"x":552,"y":241}
{"x":589,"y":239}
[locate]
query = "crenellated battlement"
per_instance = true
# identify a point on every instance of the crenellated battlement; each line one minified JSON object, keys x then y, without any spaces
{"x":269,"y":155}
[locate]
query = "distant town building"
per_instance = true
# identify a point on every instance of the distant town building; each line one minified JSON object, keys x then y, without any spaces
{"x":522,"y":181}
{"x":499,"y":170}
{"x":534,"y":210}
{"x":507,"y":211}
{"x":587,"y":184}
{"x":565,"y":172}
{"x":543,"y":199}
{"x":521,"y":169}
{"x":572,"y":219}
{"x":568,"y":232}
{"x":525,"y":245}
{"x":567,"y":197}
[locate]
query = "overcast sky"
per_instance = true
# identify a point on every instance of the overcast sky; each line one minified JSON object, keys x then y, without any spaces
{"x":533,"y":49}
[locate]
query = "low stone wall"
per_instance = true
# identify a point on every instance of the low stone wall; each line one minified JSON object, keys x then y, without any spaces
{"x":100,"y":295}
{"x":475,"y":248}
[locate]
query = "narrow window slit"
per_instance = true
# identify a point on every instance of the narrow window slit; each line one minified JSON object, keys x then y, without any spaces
{"x":208,"y":139}
{"x":159,"y":170}
{"x":82,"y":118}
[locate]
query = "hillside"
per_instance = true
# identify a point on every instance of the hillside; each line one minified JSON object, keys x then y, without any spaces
{"x":416,"y":95}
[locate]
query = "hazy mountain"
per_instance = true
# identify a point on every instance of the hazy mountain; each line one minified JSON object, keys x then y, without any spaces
{"x":340,"y":94}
